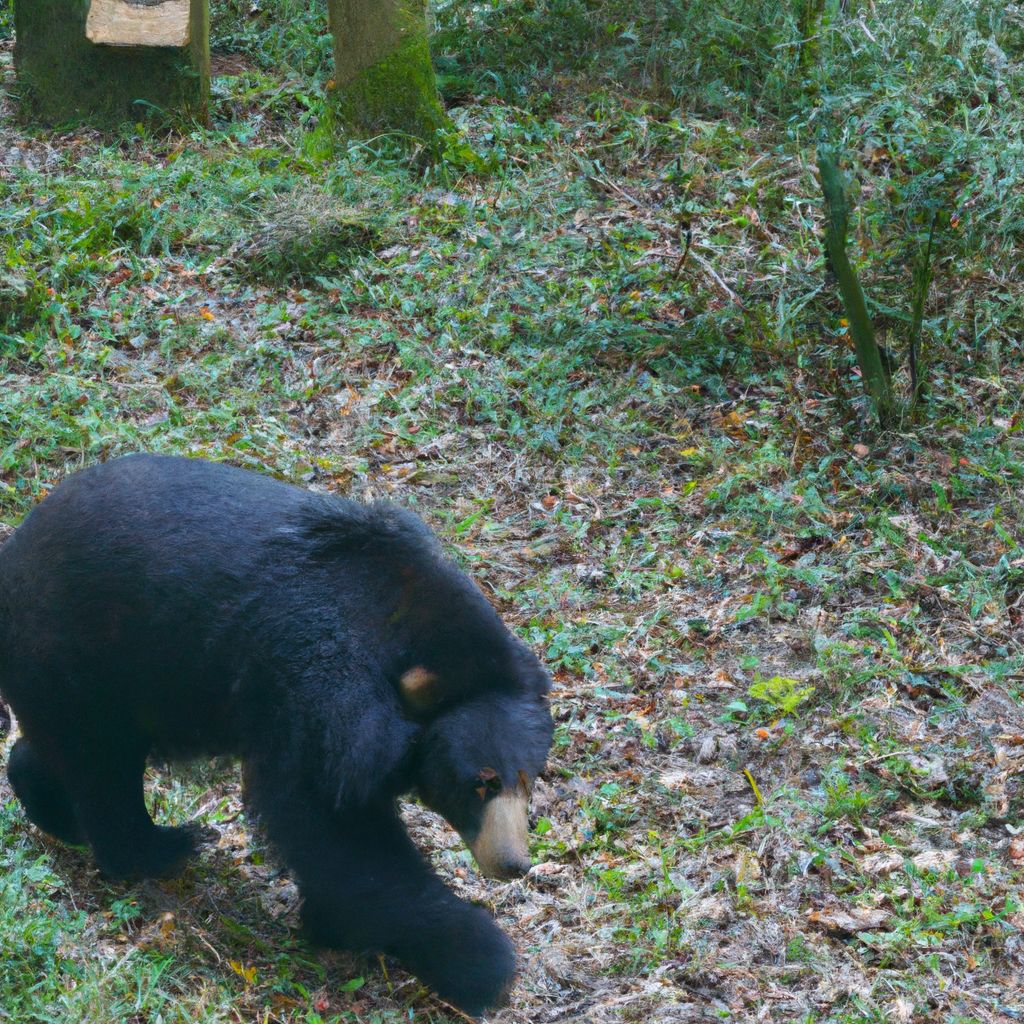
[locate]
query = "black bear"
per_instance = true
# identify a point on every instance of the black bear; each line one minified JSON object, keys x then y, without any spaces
{"x":176,"y":607}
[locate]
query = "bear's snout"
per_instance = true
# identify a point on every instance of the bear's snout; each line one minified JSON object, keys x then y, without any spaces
{"x":500,"y":847}
{"x":513,"y":868}
{"x":512,"y":862}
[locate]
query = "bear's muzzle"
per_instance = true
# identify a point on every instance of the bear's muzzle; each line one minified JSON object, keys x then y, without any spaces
{"x":500,"y":847}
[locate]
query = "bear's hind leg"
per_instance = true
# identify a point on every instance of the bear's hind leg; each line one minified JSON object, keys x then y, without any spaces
{"x":126,"y":843}
{"x":42,"y":793}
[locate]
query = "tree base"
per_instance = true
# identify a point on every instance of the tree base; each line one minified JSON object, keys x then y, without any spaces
{"x":65,"y":79}
{"x":385,"y":81}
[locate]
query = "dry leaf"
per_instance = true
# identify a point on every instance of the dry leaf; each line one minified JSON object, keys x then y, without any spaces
{"x":720,"y":681}
{"x":708,"y":750}
{"x":900,"y":1011}
{"x":848,"y":922}
{"x":748,"y":867}
{"x":931,"y":771}
{"x":677,"y":779}
{"x":879,"y":864}
{"x":934,"y":860}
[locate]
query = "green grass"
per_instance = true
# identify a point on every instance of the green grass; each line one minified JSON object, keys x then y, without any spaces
{"x":786,"y":647}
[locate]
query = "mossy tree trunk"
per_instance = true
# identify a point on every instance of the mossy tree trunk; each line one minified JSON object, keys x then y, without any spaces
{"x":384,"y":78}
{"x":810,"y":14}
{"x":65,"y":79}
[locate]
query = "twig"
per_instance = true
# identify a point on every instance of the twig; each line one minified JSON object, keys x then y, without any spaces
{"x":885,"y":757}
{"x":710,"y":271}
{"x":686,"y":251}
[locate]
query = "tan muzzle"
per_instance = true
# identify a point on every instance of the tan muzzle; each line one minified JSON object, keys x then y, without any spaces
{"x":500,"y":847}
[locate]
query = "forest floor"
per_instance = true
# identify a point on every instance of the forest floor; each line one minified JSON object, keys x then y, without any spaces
{"x":787,"y":646}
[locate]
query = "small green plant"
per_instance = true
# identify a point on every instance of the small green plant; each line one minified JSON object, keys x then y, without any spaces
{"x":735,"y":711}
{"x":844,"y":800}
{"x":781,"y":693}
{"x":769,"y":604}
{"x":923,"y":272}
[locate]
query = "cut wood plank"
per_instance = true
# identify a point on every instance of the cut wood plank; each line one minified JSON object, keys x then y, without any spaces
{"x":120,"y":23}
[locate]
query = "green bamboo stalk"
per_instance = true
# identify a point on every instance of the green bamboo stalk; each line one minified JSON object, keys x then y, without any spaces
{"x":873,"y":374}
{"x":922,"y":282}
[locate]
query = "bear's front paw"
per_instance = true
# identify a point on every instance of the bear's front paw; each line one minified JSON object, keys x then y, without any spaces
{"x":467,"y":960}
{"x":161,"y":853}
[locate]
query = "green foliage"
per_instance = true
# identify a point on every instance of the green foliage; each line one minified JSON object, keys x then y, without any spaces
{"x":716,"y":53}
{"x":276,"y":34}
{"x":33,"y":926}
{"x":302,"y":235}
{"x":781,"y":693}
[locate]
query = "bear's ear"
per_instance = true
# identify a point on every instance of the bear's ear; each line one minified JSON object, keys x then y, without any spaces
{"x":420,"y":688}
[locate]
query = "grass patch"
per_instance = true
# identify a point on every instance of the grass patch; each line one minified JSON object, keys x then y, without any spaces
{"x":303,"y":235}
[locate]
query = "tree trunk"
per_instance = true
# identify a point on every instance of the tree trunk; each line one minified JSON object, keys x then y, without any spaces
{"x":66,"y":79}
{"x":384,"y":78}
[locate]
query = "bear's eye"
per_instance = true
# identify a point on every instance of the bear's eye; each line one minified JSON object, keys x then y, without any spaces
{"x":490,"y":783}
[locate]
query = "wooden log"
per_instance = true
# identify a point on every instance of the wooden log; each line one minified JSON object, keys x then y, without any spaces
{"x":121,"y":23}
{"x":65,"y":77}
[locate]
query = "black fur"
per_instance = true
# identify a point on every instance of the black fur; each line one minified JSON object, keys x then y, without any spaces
{"x":175,"y":607}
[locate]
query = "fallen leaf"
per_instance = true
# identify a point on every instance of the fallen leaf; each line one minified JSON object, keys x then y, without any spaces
{"x":934,"y":860}
{"x":708,"y":750}
{"x":900,"y":1011}
{"x":732,"y":423}
{"x":848,"y":922}
{"x":748,"y":867}
{"x":246,"y":973}
{"x":720,"y":681}
{"x":880,"y":864}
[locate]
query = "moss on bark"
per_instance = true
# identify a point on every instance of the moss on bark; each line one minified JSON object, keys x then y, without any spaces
{"x":65,"y":79}
{"x":384,"y":78}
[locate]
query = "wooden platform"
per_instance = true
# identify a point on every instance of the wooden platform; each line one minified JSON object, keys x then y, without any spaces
{"x":120,"y":23}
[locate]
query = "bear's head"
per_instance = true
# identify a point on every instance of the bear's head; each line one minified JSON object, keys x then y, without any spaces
{"x":476,"y":762}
